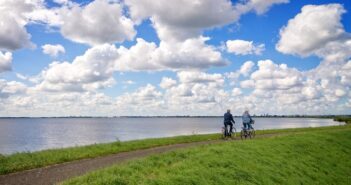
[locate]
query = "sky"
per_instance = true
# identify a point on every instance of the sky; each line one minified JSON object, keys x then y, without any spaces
{"x":174,"y":57}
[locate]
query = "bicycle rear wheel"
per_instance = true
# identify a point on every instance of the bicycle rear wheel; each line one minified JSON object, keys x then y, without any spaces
{"x":223,"y":133}
{"x":242,"y":134}
{"x":234,"y":132}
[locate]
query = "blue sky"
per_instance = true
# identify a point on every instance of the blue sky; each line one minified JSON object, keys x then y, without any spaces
{"x":184,"y":63}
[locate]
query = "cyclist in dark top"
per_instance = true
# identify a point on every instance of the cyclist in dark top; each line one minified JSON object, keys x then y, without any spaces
{"x":228,"y":120}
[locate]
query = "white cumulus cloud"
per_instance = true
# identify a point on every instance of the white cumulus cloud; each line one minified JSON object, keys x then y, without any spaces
{"x":167,"y":83}
{"x":91,"y":71}
{"x":53,"y":50}
{"x":9,"y":88}
{"x":100,"y":21}
{"x":190,"y":54}
{"x":242,"y":47}
{"x":5,"y":61}
{"x":312,"y":29}
{"x":259,"y":6}
{"x":177,"y":20}
{"x":272,"y":76}
{"x":246,"y":68}
{"x":236,"y":91}
{"x":13,"y":19}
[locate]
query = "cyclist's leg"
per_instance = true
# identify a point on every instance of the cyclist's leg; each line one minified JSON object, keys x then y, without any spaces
{"x":245,"y":125}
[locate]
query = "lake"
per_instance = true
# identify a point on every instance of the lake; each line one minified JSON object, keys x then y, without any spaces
{"x":33,"y":134}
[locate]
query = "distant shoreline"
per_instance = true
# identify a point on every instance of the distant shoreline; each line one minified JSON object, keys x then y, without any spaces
{"x":186,"y":116}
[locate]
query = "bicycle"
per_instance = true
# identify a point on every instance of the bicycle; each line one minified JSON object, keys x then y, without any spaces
{"x":248,"y":133}
{"x":226,"y":132}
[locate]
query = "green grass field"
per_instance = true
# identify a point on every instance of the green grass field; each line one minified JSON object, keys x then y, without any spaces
{"x":28,"y":160}
{"x":311,"y":156}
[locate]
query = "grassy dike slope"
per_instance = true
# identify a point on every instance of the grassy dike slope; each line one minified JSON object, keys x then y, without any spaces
{"x":314,"y":156}
{"x":30,"y":160}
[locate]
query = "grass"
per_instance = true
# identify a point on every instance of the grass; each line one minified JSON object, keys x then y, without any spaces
{"x":314,"y":156}
{"x":27,"y":160}
{"x":345,"y":119}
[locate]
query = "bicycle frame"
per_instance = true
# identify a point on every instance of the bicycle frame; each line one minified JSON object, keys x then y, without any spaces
{"x":226,"y":131}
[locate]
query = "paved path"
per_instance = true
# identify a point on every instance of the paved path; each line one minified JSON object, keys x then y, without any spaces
{"x":59,"y":172}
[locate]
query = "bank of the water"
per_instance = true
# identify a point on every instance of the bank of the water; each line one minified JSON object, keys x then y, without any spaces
{"x":28,"y":160}
{"x":308,"y":156}
{"x":346,"y":119}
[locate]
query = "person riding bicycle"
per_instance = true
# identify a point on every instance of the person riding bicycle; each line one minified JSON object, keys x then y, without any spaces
{"x":228,"y":121}
{"x":247,"y":120}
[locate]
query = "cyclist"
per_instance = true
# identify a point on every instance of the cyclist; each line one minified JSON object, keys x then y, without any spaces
{"x":228,"y":121}
{"x":247,"y":120}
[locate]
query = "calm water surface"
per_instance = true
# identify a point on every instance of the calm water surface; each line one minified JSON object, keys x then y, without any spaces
{"x":32,"y":134}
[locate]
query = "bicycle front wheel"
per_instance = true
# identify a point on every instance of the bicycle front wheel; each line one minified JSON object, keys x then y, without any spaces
{"x":249,"y":134}
{"x":234,"y":132}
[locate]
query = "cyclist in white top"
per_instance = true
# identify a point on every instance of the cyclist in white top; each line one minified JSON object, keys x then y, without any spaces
{"x":247,"y":120}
